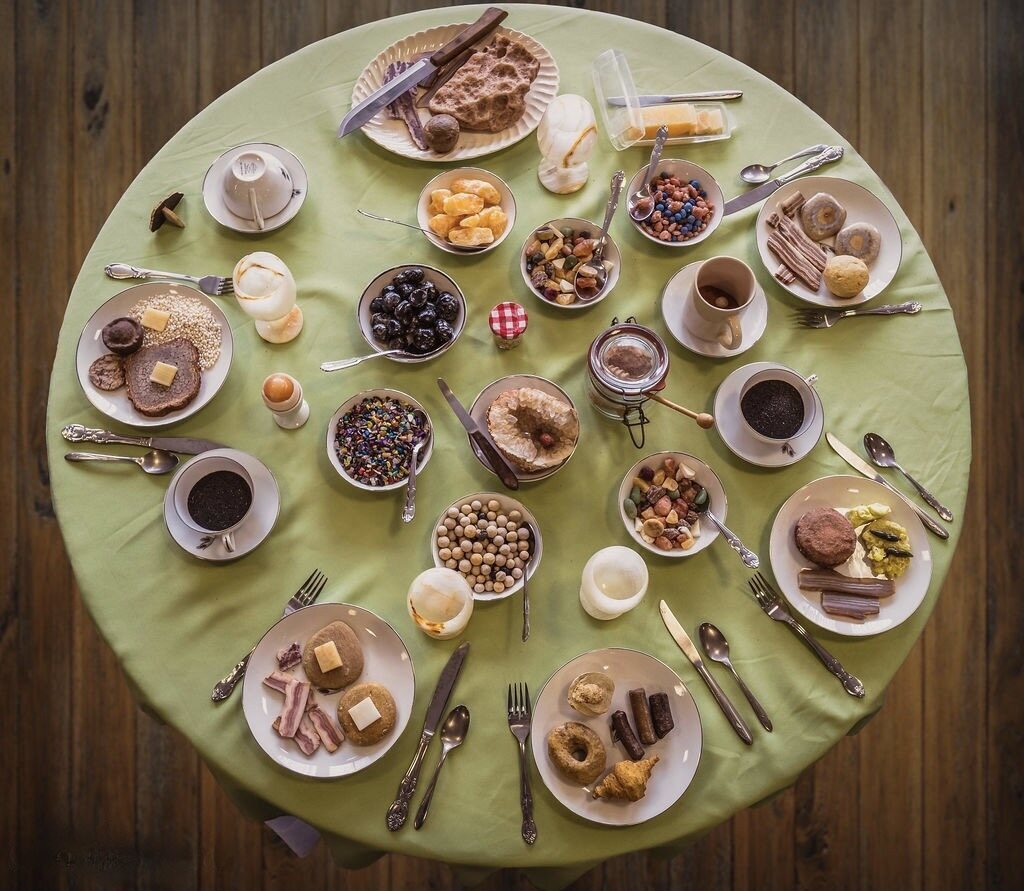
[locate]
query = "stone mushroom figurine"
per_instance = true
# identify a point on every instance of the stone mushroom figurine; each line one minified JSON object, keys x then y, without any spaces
{"x":164,"y":212}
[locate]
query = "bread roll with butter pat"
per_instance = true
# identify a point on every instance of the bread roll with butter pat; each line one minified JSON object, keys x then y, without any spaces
{"x":327,"y":656}
{"x":364,"y":713}
{"x":163,"y":373}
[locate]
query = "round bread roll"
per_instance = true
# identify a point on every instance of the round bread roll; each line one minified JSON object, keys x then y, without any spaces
{"x":349,"y":650}
{"x":846,"y":276}
{"x":375,"y":732}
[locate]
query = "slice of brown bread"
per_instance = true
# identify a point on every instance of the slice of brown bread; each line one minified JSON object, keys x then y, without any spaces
{"x":155,"y":400}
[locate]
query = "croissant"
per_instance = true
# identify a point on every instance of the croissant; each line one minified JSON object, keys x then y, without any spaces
{"x":627,"y":780}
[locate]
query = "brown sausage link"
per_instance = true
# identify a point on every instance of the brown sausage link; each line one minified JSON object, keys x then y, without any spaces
{"x":642,"y":716}
{"x":661,"y":714}
{"x":622,"y":732}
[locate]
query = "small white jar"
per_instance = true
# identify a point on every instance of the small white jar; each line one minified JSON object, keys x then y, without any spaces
{"x":613,"y":582}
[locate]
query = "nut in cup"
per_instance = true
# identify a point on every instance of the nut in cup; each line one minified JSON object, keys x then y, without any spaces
{"x":722,"y":291}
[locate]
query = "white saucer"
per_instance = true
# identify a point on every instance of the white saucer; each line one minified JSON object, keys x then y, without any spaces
{"x":675,"y":305}
{"x":213,"y":193}
{"x":740,"y":441}
{"x":266,"y":505}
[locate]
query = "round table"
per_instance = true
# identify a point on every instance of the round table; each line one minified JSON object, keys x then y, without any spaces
{"x":177,"y":624}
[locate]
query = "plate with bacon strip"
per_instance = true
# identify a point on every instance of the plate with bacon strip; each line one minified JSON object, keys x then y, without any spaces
{"x":794,"y":245}
{"x":296,"y":723}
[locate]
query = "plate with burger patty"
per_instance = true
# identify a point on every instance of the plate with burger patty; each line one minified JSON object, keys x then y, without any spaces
{"x":154,"y":354}
{"x":850,"y":556}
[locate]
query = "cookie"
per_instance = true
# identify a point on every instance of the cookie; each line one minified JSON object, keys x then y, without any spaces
{"x":349,"y":650}
{"x":824,"y":536}
{"x":375,"y":732}
{"x":107,"y":372}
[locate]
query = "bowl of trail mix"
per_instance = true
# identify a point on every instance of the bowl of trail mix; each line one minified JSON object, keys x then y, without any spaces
{"x":555,"y":252}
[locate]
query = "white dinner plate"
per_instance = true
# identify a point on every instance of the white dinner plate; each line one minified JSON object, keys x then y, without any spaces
{"x":676,"y":306}
{"x":861,"y":206}
{"x":679,"y":752}
{"x":704,"y":475}
{"x":478,"y":410}
{"x":842,"y":493}
{"x":115,"y":403}
{"x":507,"y":504}
{"x":386,"y":661}
{"x":266,"y":506}
{"x":737,"y":436}
{"x":393,"y":135}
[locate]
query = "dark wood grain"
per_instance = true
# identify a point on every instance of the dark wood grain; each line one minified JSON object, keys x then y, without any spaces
{"x":929,"y":795}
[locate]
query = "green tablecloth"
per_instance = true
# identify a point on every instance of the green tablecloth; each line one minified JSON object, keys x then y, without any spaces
{"x":177,"y":624}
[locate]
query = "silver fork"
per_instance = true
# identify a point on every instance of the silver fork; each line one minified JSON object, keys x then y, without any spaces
{"x":519,"y":715}
{"x":771,"y":603}
{"x":308,"y":592}
{"x":214,"y":285}
{"x":826,"y":318}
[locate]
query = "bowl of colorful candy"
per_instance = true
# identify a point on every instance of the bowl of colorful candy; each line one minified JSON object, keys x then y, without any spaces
{"x":688,"y":204}
{"x":371,"y":436}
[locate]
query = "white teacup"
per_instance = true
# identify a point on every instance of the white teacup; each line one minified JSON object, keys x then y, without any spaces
{"x":195,"y":470}
{"x":803,"y":386}
{"x":721,"y":293}
{"x":256,"y":186}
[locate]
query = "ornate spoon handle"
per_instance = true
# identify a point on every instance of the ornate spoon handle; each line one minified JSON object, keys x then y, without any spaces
{"x":227,"y":686}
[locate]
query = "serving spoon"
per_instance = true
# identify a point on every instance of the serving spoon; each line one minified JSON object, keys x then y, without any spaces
{"x":409,"y":511}
{"x":717,"y":648}
{"x":640,"y":204}
{"x":156,"y":461}
{"x":761,"y":173}
{"x":594,"y":266}
{"x":468,"y":248}
{"x":883,"y":456}
{"x":453,"y":735}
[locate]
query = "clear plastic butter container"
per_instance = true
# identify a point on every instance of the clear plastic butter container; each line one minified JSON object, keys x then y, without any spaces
{"x":627,"y":123}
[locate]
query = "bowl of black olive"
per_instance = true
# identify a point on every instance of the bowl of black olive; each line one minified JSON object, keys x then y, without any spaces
{"x":417,"y":310}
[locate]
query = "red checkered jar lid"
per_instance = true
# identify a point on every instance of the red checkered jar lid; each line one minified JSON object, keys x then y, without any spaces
{"x":508,"y":320}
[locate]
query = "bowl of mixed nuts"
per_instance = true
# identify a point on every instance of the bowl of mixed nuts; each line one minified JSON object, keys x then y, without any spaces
{"x":661,"y":501}
{"x":551,"y":255}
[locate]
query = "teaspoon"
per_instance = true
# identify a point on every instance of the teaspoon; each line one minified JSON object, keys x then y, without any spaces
{"x":748,"y":557}
{"x":717,"y":648}
{"x":468,"y":248}
{"x":640,"y":204}
{"x":453,"y":734}
{"x":761,"y":173}
{"x":409,"y":511}
{"x":156,"y":461}
{"x":883,"y":456}
{"x":594,"y":266}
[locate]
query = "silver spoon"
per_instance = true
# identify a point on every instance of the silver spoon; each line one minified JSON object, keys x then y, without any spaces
{"x":468,"y":248}
{"x":594,"y":266}
{"x":156,"y":461}
{"x":717,"y":648}
{"x":761,"y":173}
{"x":409,"y":511}
{"x":453,"y":734}
{"x":339,"y":364}
{"x":882,"y":454}
{"x":746,"y":555}
{"x":640,"y":204}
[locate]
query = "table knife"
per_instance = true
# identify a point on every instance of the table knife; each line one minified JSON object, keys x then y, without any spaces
{"x":832,"y":153}
{"x":185,"y":445}
{"x":420,"y":71}
{"x":399,"y":810}
{"x":498,"y":464}
{"x":706,"y":96}
{"x":684,"y":643}
{"x":862,"y":467}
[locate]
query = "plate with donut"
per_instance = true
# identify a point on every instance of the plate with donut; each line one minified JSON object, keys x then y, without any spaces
{"x":616,"y":736}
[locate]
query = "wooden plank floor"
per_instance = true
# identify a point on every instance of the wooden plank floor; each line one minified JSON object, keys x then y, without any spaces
{"x":930,"y":795}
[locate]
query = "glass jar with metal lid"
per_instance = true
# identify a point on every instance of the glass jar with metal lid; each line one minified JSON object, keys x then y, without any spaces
{"x":625,"y":363}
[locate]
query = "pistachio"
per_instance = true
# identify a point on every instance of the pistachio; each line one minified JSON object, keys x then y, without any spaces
{"x":629,"y":507}
{"x":635,"y":495}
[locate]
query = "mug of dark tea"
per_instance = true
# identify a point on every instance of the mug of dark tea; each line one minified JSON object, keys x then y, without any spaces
{"x":778,"y":404}
{"x":722,"y":290}
{"x":213,"y":496}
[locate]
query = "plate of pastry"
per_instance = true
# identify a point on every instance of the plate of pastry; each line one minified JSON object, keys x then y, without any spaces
{"x":154,"y":354}
{"x":328,"y":690}
{"x":829,"y":241}
{"x":850,"y":556}
{"x":616,"y":736}
{"x":474,"y":113}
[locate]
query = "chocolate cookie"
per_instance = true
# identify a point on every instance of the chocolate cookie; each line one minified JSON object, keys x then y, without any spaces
{"x":824,"y":536}
{"x":107,"y":372}
{"x":375,"y":732}
{"x":349,"y":650}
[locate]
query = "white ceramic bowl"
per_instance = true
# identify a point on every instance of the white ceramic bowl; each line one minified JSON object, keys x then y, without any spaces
{"x":507,"y":504}
{"x":611,"y":253}
{"x":705,"y":476}
{"x":332,"y":428}
{"x":443,"y":181}
{"x":688,"y":171}
{"x":443,"y":283}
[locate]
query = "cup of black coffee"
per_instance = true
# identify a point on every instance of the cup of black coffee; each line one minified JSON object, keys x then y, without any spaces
{"x":777,"y":404}
{"x":213,"y":495}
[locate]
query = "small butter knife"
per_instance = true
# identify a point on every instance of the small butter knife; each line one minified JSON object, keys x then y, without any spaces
{"x":184,"y":445}
{"x":483,"y":442}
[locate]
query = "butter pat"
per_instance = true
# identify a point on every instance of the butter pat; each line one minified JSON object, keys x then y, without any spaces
{"x":327,"y":656}
{"x":155,"y":319}
{"x":163,"y":374}
{"x":364,"y":713}
{"x":681,"y":119}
